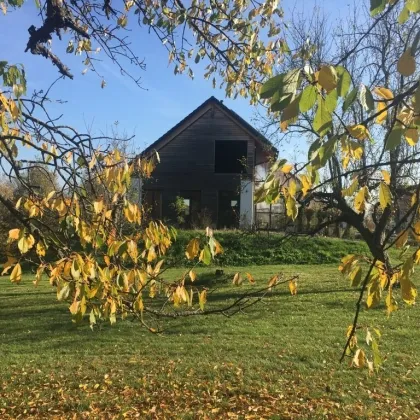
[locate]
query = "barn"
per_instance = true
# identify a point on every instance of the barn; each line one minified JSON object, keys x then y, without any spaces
{"x":209,"y":161}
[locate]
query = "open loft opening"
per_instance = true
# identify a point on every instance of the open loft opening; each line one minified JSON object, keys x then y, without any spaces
{"x":230,"y":157}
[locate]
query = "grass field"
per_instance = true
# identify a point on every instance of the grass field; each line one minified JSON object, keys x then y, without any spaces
{"x":278,"y":360}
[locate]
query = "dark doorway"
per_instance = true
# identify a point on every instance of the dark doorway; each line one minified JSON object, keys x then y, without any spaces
{"x":192,"y":203}
{"x":230,"y":156}
{"x":152,"y":203}
{"x":228,"y":210}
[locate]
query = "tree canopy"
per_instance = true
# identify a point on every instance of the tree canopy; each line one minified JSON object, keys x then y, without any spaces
{"x":360,"y":107}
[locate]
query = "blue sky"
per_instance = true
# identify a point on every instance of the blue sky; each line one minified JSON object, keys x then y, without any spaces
{"x":146,"y":113}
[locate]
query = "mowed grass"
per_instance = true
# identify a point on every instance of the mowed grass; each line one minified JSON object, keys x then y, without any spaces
{"x":279,"y":359}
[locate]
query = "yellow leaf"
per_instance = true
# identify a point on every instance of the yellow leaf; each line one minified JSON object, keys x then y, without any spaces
{"x":93,"y":161}
{"x":14,"y":234}
{"x":202,"y":298}
{"x":385,"y":197}
{"x":406,"y":64}
{"x":293,"y":287}
{"x":286,"y":168}
{"x":237,"y":279}
{"x":250,"y":278}
{"x":192,"y":248}
{"x":14,"y":110}
{"x":359,"y":359}
{"x":74,"y":307}
{"x":151,"y":255}
{"x":327,"y":78}
{"x":412,"y":136}
{"x":383,"y":93}
{"x":8,"y":264}
{"x":132,"y":250}
{"x":408,"y":290}
{"x":193,"y":276}
{"x":122,"y":21}
{"x":386,"y":176}
{"x":132,"y":213}
{"x":374,"y":294}
{"x":292,"y":188}
{"x":382,"y":116}
{"x":217,"y":248}
{"x":360,"y":200}
{"x":40,"y":249}
{"x":16,"y":275}
{"x":348,"y":192}
{"x":306,"y":184}
{"x":98,"y":206}
{"x":273,"y":281}
{"x":291,"y":207}
{"x":359,"y":131}
{"x":38,"y":275}
{"x":402,"y":239}
{"x":25,"y":243}
{"x":157,"y":268}
{"x":416,"y":229}
{"x":390,"y":302}
{"x":347,"y":263}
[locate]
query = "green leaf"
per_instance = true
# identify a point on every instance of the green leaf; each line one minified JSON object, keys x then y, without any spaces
{"x":327,"y":78}
{"x":356,"y":276}
{"x":313,"y":149}
{"x":329,"y":149}
{"x":404,"y":15}
{"x":385,"y":197}
{"x":282,"y":86}
{"x":413,"y":6}
{"x":331,"y":100}
{"x":271,"y":86}
{"x":308,"y":98}
{"x":323,"y":121}
{"x":348,"y":192}
{"x":377,"y":6}
{"x":350,"y":98}
{"x":344,"y":81}
{"x":3,"y":65}
{"x":394,"y":138}
{"x":206,"y":255}
{"x":377,"y":360}
{"x":291,"y":111}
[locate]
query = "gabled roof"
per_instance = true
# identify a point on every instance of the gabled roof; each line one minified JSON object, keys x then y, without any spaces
{"x":189,"y":119}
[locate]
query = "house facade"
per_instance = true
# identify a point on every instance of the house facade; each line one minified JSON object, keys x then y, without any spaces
{"x":207,"y":166}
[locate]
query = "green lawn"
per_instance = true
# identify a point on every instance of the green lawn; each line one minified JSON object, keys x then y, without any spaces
{"x":280,"y":359}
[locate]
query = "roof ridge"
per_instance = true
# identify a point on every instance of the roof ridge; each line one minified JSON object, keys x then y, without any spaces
{"x":219,"y":103}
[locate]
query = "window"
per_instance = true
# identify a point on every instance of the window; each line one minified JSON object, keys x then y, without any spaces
{"x":230,"y":156}
{"x":187,"y":206}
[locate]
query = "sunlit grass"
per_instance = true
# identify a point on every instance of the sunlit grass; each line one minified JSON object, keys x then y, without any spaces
{"x":280,"y":358}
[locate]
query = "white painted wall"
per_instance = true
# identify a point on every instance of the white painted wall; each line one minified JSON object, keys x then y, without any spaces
{"x":246,"y":207}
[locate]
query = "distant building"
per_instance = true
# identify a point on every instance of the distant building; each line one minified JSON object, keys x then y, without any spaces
{"x":209,"y":159}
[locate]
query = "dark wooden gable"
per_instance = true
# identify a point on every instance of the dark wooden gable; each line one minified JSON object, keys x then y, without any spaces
{"x":187,"y":158}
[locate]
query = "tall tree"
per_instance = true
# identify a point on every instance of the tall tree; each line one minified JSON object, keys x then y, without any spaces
{"x":358,"y":106}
